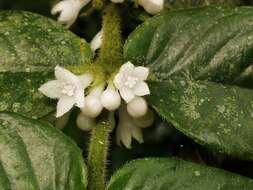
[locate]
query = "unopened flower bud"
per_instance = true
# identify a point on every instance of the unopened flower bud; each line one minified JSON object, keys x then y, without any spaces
{"x":145,"y":121}
{"x":92,"y":106}
{"x":84,"y":122}
{"x":117,"y":1}
{"x":152,"y":6}
{"x":137,"y":107}
{"x":127,"y":130}
{"x":96,"y":42}
{"x":110,"y":99}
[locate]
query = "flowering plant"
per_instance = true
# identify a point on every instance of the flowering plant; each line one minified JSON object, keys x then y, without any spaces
{"x":104,"y":82}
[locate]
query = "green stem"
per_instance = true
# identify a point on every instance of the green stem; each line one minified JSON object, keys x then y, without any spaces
{"x":98,"y":150}
{"x":110,"y":58}
{"x":111,"y":53}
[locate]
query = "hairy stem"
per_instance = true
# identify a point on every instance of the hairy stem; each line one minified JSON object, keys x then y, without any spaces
{"x":111,"y":54}
{"x":98,"y":150}
{"x":110,"y":58}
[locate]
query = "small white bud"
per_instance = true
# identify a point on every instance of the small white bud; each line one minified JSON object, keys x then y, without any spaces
{"x":92,"y":106}
{"x":152,"y":6}
{"x":68,"y":10}
{"x":137,"y":107}
{"x":145,"y":121}
{"x":117,"y":1}
{"x":85,"y":123}
{"x":96,"y":42}
{"x":110,"y":99}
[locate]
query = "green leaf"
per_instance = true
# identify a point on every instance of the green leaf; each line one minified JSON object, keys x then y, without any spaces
{"x":172,"y":174}
{"x":215,"y":115}
{"x":213,"y":43}
{"x":183,"y":48}
{"x":36,"y":156}
{"x":179,"y":4}
{"x":30,"y":47}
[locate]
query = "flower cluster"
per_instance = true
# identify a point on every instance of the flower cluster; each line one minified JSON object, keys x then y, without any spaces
{"x":122,"y":96}
{"x":68,"y":10}
{"x":128,"y":84}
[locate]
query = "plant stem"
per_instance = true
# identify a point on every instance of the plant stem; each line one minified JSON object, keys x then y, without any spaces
{"x":111,"y":53}
{"x":110,"y":58}
{"x":98,"y":150}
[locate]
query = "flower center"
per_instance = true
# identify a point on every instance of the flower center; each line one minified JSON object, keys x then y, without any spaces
{"x":131,"y":81}
{"x":68,"y":89}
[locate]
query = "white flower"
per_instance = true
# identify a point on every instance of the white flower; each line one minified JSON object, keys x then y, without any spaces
{"x":152,"y":6}
{"x":110,"y":98}
{"x":127,"y":130}
{"x":69,"y":10}
{"x":137,"y":107}
{"x":130,"y":81}
{"x":96,"y":42}
{"x":68,"y":88}
{"x":93,"y":107}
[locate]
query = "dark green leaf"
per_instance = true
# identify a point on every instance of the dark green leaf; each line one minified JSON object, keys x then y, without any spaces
{"x":30,"y":47}
{"x":179,"y":4}
{"x":217,"y":116}
{"x":214,"y":43}
{"x":37,"y":156}
{"x":172,"y":174}
{"x":209,"y":44}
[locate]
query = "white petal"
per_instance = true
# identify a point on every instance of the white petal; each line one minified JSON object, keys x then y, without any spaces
{"x":51,"y":89}
{"x":123,"y":134}
{"x":137,"y":134}
{"x":64,"y":104}
{"x":69,"y":10}
{"x":141,"y":89}
{"x":127,"y":94}
{"x":141,"y":72}
{"x":79,"y":96}
{"x":86,"y":80}
{"x":152,"y":6}
{"x":96,"y":42}
{"x":127,"y":68}
{"x":118,"y":81}
{"x":65,"y":75}
{"x":58,"y":7}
